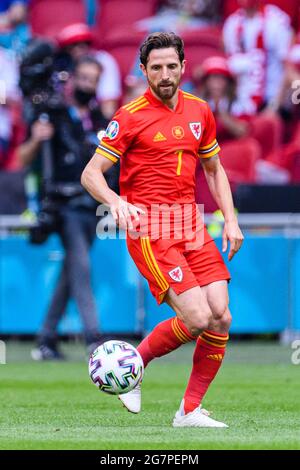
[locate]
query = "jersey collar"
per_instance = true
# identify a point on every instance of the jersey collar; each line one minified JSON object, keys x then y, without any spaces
{"x":157,"y":103}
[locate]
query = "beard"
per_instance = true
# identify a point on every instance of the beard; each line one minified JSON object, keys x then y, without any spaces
{"x":164,"y":90}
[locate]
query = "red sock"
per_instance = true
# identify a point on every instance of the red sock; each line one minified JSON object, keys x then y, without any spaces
{"x":207,"y":360}
{"x":166,"y":337}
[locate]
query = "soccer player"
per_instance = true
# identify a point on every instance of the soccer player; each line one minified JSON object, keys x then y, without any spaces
{"x":158,"y":138}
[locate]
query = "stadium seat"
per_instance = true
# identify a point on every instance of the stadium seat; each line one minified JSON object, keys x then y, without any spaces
{"x":115,"y":14}
{"x":211,"y":37}
{"x":238,"y":158}
{"x":267,"y":129}
{"x":288,"y":158}
{"x":199,"y":45}
{"x":124,"y":47}
{"x":48,"y":17}
{"x":229,"y":7}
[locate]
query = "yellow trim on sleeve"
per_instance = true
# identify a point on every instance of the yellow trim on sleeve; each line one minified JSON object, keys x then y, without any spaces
{"x":106,"y":155}
{"x":210,"y":154}
{"x":208,"y":146}
{"x":110,"y":147}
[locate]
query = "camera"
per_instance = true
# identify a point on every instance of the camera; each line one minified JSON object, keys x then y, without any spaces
{"x":40,"y":83}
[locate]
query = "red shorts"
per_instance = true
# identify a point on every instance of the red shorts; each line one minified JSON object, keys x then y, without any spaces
{"x":168,"y":263}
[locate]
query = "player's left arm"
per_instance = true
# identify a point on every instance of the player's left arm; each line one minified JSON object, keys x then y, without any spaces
{"x":221,"y":192}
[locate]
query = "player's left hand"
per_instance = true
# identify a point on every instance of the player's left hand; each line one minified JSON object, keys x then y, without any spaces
{"x":233,"y":234}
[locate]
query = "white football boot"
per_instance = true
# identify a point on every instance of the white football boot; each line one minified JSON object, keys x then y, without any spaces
{"x":199,"y":418}
{"x":132,"y":400}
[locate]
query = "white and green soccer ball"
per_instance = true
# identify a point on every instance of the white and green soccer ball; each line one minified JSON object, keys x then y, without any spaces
{"x":116,"y":367}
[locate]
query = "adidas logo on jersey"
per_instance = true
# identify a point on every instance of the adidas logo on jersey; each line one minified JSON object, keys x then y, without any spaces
{"x":159,"y":137}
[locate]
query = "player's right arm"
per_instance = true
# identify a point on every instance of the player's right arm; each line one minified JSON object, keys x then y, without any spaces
{"x":92,"y":179}
{"x":116,"y":140}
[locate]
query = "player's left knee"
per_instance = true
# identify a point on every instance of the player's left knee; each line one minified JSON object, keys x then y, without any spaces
{"x":221,"y":312}
{"x":223,"y":316}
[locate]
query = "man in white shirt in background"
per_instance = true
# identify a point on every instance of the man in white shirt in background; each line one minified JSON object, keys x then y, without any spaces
{"x":257,"y":39}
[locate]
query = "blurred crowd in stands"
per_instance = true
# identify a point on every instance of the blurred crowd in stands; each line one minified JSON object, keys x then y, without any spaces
{"x":243,"y":57}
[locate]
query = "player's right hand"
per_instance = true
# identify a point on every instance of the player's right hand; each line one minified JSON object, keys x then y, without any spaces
{"x":126,"y":215}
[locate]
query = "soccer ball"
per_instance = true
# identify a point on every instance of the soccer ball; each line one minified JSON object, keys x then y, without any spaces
{"x":116,"y":367}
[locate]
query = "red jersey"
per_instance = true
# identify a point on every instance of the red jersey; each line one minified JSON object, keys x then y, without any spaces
{"x":159,"y":147}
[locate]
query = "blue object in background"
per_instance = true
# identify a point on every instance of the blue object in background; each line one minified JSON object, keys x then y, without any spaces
{"x":6,"y":4}
{"x":91,"y":7}
{"x":115,"y":282}
{"x":264,"y":291}
{"x":259,"y":289}
{"x":27,"y":278}
{"x":295,"y":285}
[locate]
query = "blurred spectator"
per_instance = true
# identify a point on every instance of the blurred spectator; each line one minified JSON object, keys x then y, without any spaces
{"x":235,"y":118}
{"x":182,"y":15}
{"x":284,"y":100}
{"x":9,"y":99}
{"x":75,"y":42}
{"x":72,"y":138}
{"x":257,"y":39}
{"x":286,"y":158}
{"x":291,"y":7}
{"x":215,"y":83}
{"x":245,"y":138}
{"x":14,"y":30}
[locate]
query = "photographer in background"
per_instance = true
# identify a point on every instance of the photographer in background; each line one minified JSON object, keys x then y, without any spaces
{"x":71,"y":136}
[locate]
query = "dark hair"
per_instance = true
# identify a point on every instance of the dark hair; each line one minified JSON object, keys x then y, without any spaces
{"x":87,"y":60}
{"x":161,"y":41}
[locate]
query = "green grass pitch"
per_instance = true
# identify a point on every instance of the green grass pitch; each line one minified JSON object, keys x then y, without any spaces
{"x":56,"y":406}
